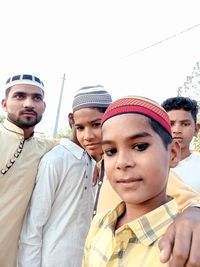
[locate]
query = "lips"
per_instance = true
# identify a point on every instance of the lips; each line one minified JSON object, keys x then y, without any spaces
{"x":129,"y":180}
{"x":179,"y":139}
{"x":92,"y":146}
{"x":28,"y":112}
{"x":129,"y":184}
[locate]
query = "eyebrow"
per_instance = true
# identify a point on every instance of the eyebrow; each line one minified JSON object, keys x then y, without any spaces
{"x":132,"y":137}
{"x":97,"y":120}
{"x":25,"y":93}
{"x":187,"y":120}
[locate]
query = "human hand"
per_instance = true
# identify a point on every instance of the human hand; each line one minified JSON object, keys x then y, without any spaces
{"x":180,"y":245}
{"x":95,"y":176}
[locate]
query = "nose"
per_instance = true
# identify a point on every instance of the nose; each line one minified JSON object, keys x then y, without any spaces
{"x":88,"y":134}
{"x":176,"y":128}
{"x":28,"y":102}
{"x":124,"y":160}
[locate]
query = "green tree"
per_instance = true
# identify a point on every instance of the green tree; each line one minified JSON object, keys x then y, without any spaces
{"x":191,"y":88}
{"x":64,"y":132}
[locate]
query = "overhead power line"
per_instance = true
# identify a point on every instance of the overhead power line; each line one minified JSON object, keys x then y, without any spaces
{"x":162,"y":41}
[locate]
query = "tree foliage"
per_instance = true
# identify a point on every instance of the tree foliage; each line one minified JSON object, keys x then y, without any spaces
{"x":191,"y":88}
{"x":2,"y":118}
{"x":64,"y":133}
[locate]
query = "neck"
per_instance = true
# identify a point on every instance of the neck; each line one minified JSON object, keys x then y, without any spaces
{"x":185,"y":152}
{"x":97,"y":158}
{"x":28,"y":132}
{"x":133,"y":212}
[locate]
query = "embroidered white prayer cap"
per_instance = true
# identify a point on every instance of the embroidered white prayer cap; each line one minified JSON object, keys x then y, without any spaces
{"x":24,"y":79}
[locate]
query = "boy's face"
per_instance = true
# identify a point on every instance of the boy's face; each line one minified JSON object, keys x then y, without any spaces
{"x":136,"y":161}
{"x":183,"y":127}
{"x":88,"y":129}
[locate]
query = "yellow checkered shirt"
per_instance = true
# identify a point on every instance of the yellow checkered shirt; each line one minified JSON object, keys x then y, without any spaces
{"x":132,"y":245}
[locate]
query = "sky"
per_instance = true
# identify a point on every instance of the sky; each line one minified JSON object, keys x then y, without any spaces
{"x":130,"y":47}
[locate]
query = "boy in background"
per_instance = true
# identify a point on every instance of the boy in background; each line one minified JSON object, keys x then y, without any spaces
{"x":183,"y":112}
{"x":137,"y":163}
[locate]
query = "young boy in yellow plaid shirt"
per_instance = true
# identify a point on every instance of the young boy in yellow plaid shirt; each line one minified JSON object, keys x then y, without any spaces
{"x":138,"y":154}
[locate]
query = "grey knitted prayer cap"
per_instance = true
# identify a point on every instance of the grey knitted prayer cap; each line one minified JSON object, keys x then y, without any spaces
{"x":91,"y":97}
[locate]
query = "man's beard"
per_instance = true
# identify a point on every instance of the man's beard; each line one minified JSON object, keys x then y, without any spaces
{"x":24,"y":123}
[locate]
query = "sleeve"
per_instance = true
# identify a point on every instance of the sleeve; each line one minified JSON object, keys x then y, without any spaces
{"x":39,"y":210}
{"x":184,"y":195}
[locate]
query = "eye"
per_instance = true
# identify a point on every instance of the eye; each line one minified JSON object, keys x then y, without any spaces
{"x":79,"y":128}
{"x":110,"y":151}
{"x":96,"y":125}
{"x":38,"y":98}
{"x":186,"y":124}
{"x":19,"y":96}
{"x":141,"y":147}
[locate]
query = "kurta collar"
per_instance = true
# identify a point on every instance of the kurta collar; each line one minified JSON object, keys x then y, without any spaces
{"x":76,"y":150}
{"x":12,"y":127}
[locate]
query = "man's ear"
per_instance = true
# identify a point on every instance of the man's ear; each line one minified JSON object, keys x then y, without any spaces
{"x":175,"y":155}
{"x":44,"y":106}
{"x":3,"y":104}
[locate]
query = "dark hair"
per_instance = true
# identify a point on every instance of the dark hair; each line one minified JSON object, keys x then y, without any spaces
{"x":164,"y":135}
{"x":180,"y":102}
{"x":7,"y":92}
{"x":100,"y":109}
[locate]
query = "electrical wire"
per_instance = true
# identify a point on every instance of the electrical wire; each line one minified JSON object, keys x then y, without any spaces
{"x":162,"y":41}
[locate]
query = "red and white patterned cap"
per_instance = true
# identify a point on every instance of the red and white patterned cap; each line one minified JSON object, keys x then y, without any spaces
{"x":140,"y":105}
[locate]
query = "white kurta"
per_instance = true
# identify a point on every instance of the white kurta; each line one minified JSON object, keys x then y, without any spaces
{"x":60,"y":213}
{"x":188,"y":170}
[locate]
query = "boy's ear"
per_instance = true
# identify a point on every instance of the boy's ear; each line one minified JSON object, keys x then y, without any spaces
{"x":175,"y":155}
{"x":197,"y":127}
{"x":71,"y":119}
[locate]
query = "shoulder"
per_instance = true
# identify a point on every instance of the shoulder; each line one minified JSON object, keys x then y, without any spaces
{"x":61,"y":154}
{"x":56,"y":154}
{"x":101,"y":218}
{"x":99,"y":221}
{"x":195,"y":156}
{"x":46,"y":144}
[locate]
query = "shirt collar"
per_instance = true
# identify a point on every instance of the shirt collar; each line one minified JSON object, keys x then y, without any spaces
{"x":76,"y":150}
{"x":151,"y":226}
{"x":12,"y":127}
